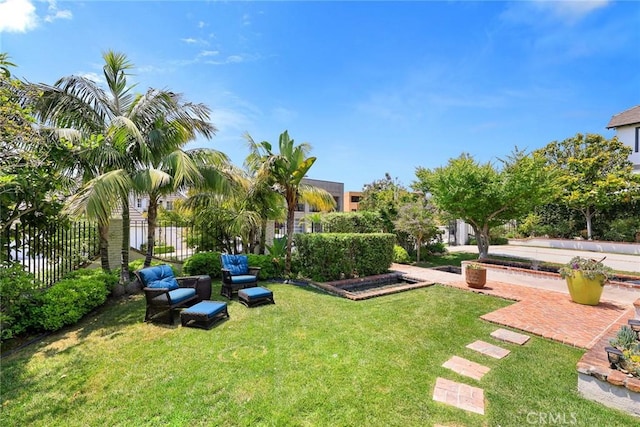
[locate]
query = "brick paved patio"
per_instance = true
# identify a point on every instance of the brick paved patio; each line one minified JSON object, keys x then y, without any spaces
{"x":542,"y":312}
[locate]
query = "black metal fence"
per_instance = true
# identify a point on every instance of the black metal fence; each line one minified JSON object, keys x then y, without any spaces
{"x":50,"y":252}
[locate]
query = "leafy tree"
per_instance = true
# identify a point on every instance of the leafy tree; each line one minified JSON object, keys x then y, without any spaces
{"x":484,"y":196}
{"x":385,"y":196}
{"x":594,"y":173}
{"x":418,"y":220}
{"x":31,"y":175}
{"x":283,"y":172}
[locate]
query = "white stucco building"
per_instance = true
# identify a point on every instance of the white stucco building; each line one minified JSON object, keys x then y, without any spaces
{"x":627,"y":126}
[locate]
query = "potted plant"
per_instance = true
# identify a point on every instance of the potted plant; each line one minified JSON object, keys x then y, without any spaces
{"x":475,"y":275}
{"x":585,"y":279}
{"x":624,"y":353}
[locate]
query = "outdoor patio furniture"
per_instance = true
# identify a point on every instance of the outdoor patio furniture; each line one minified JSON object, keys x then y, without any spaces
{"x":255,"y":296}
{"x":164,"y":292}
{"x":236,"y":274}
{"x":204,"y":314}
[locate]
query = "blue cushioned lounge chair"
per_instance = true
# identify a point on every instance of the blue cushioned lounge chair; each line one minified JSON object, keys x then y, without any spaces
{"x":236,"y":274}
{"x":165,"y":292}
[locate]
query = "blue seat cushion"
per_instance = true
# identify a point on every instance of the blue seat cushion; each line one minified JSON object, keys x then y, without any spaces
{"x":208,"y":308}
{"x":169,"y":283}
{"x":257,"y":292}
{"x":236,"y":264}
{"x":181,"y":294}
{"x":244,"y":278}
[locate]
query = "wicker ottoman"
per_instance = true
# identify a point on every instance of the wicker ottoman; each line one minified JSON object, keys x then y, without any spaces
{"x":204,"y":314}
{"x":254,"y":296}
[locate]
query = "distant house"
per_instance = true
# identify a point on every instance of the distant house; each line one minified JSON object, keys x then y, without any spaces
{"x":627,"y":126}
{"x":352,"y":200}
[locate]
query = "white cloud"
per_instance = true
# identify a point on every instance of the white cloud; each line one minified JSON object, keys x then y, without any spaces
{"x":201,"y":24}
{"x":17,"y":16}
{"x":546,"y":12}
{"x":191,"y":40}
{"x":209,"y":53}
{"x":94,"y":77}
{"x":54,"y":13}
{"x":571,"y":10}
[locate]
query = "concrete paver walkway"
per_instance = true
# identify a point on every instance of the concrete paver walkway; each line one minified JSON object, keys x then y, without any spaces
{"x":466,"y":367}
{"x":460,"y":395}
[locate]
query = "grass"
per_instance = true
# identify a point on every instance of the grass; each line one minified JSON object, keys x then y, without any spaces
{"x":310,"y":360}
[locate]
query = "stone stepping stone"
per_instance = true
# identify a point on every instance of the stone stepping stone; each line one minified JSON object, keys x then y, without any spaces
{"x":466,"y":367}
{"x":510,"y":336}
{"x":489,"y":349}
{"x":460,"y":395}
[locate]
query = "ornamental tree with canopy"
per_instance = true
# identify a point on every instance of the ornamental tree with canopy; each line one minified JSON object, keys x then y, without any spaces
{"x":485,"y":196}
{"x":594,"y":172}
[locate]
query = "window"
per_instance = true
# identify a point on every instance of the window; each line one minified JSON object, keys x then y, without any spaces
{"x":355,"y":199}
{"x":638,"y":139}
{"x":300,"y":207}
{"x":169,"y":205}
{"x":139,"y":202}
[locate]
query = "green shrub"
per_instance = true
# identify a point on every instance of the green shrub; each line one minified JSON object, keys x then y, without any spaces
{"x":17,"y":301}
{"x":203,"y":263}
{"x":334,"y":256}
{"x":163,"y":249}
{"x":71,"y":298}
{"x":400,"y":255}
{"x":352,"y":222}
{"x":622,"y":230}
{"x":268,"y":268}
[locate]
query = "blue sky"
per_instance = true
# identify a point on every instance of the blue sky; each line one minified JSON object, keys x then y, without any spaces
{"x":374,"y":87}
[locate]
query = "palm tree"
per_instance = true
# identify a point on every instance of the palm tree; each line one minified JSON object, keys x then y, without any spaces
{"x":110,"y":126}
{"x":283,"y":172}
{"x":175,"y":171}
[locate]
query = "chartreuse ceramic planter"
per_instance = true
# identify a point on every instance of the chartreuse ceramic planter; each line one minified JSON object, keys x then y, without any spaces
{"x":584,"y":290}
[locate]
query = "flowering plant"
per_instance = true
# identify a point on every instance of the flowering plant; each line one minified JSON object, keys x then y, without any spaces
{"x":590,"y":268}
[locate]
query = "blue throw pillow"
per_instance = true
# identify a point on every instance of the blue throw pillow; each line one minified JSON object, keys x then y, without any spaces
{"x":236,"y":264}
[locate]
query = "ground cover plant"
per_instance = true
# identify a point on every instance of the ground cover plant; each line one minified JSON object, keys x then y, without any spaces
{"x":311,"y":359}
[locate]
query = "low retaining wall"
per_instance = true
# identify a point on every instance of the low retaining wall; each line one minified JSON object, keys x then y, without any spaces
{"x":598,"y":382}
{"x":581,"y":245}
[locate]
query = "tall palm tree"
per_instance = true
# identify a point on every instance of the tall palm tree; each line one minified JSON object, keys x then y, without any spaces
{"x":172,"y":171}
{"x":283,"y":172}
{"x":111,"y":124}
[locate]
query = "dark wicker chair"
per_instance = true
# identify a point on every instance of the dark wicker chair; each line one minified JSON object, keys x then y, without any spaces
{"x":236,"y":274}
{"x":165,"y":293}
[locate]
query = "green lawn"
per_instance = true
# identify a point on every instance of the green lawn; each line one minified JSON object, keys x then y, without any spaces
{"x":310,"y":360}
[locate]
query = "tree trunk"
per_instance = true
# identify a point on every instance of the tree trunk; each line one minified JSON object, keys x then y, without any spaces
{"x":103,"y":236}
{"x":152,"y":214}
{"x":126,"y":222}
{"x":263,"y":236}
{"x":588,"y":215}
{"x":419,"y":243}
{"x":291,"y":209}
{"x":482,"y":241}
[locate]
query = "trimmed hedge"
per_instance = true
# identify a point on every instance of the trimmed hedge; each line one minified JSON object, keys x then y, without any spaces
{"x":203,"y":263}
{"x":17,"y":301}
{"x":71,"y":298}
{"x":352,"y":222}
{"x":334,"y":256}
{"x":28,"y":309}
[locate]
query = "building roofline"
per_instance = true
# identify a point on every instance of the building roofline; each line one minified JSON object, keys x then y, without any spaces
{"x":627,"y":117}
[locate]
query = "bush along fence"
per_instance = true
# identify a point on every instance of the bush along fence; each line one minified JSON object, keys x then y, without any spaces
{"x":49,"y":252}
